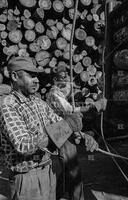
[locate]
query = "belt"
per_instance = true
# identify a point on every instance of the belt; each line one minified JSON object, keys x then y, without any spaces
{"x":26,"y":168}
{"x":44,"y":164}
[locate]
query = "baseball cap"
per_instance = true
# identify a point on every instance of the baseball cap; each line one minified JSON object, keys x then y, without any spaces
{"x":22,"y":63}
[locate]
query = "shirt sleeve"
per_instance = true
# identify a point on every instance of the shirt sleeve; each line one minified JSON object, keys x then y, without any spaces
{"x":58,"y":129}
{"x":14,"y":128}
{"x":59,"y":104}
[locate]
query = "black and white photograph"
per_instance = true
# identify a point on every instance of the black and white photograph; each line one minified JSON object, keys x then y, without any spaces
{"x":63,"y":99}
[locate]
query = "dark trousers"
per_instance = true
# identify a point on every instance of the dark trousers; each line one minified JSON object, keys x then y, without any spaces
{"x":69,"y":182}
{"x":5,"y":192}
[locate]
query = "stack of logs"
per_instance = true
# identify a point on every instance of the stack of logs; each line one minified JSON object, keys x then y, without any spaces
{"x":42,"y":29}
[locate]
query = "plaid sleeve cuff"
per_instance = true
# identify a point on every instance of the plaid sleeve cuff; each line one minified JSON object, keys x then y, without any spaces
{"x":59,"y":132}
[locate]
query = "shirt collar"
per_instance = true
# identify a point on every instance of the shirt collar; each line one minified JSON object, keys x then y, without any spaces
{"x":22,"y":98}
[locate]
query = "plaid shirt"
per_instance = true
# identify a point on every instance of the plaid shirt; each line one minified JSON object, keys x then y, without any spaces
{"x":22,"y":123}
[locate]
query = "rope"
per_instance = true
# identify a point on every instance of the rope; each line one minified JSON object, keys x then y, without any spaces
{"x":112,"y":154}
{"x":71,"y":53}
{"x":6,"y":179}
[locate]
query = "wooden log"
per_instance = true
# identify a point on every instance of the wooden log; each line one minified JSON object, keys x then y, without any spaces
{"x":44,"y":42}
{"x":15,"y":36}
{"x":59,"y":26}
{"x":90,"y":41}
{"x":84,"y":53}
{"x":96,"y":17}
{"x":4,"y":43}
{"x":66,"y":33}
{"x":45,"y":4}
{"x":51,"y":22}
{"x":34,"y":47}
{"x":84,"y":76}
{"x":23,"y":52}
{"x":86,"y":61}
{"x":39,"y":13}
{"x":3,"y":18}
{"x":68,"y":3}
{"x":84,"y":14}
{"x":58,"y":6}
{"x":52,"y":32}
{"x":42,"y":58}
{"x":11,"y":50}
{"x":91,"y":69}
{"x":10,"y":11}
{"x":95,"y":1}
{"x":40,"y":68}
{"x":39,"y":27}
{"x":30,"y":35}
{"x":89,"y":17}
{"x":47,"y":70}
{"x":58,"y":53}
{"x":65,"y":21}
{"x":3,"y":4}
{"x":71,"y":13}
{"x":28,"y":23}
{"x":12,"y":25}
{"x":2,"y":27}
{"x":99,"y":74}
{"x":28,"y":3}
{"x":102,"y":16}
{"x":78,"y":68}
{"x":3,"y":34}
{"x":27,"y":13}
{"x":53,"y":62}
{"x":85,"y":92}
{"x":80,"y":34}
{"x":76,"y":57}
{"x":16,"y":11}
{"x":92,"y":81}
{"x":85,"y":2}
{"x":66,"y":55}
{"x":22,"y":46}
{"x":61,"y":43}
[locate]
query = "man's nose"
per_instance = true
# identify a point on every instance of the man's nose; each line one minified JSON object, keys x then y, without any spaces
{"x":35,"y":80}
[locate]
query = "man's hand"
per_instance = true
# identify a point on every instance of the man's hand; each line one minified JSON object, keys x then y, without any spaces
{"x":86,"y":108}
{"x":101,"y":104}
{"x":90,"y":143}
{"x":42,"y":141}
{"x":75,"y":121}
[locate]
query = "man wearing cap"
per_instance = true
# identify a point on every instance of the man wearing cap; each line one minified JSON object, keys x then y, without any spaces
{"x":57,"y":98}
{"x":31,"y":133}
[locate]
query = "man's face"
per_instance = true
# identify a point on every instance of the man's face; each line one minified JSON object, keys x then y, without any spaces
{"x":27,"y":82}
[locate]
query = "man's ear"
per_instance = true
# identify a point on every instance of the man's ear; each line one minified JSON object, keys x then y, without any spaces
{"x":14,"y":76}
